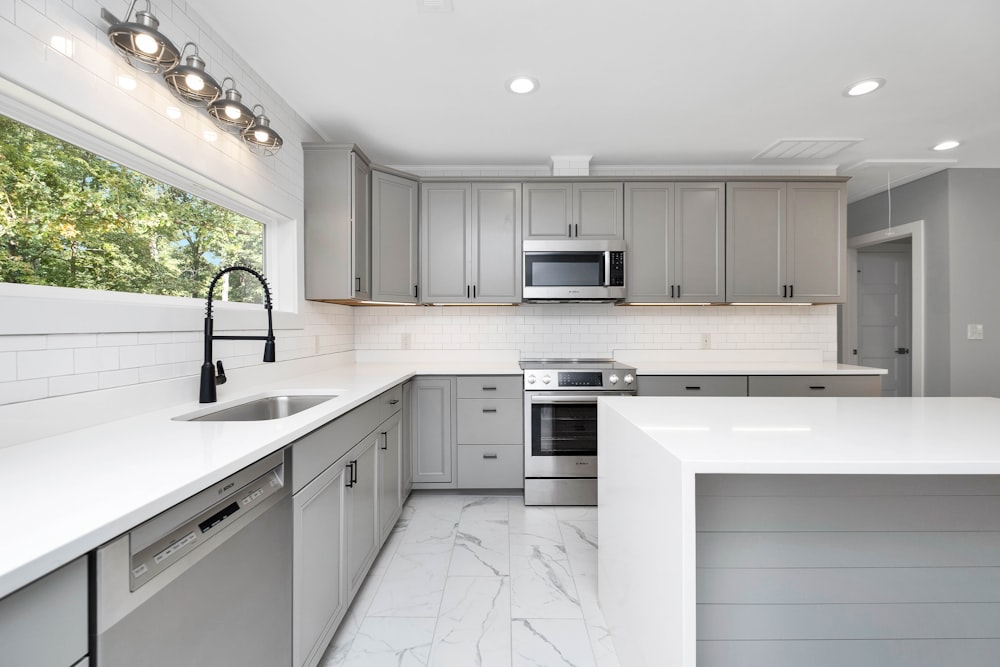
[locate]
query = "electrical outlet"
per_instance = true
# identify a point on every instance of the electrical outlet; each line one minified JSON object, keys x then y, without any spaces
{"x":706,"y":341}
{"x":975,"y":332}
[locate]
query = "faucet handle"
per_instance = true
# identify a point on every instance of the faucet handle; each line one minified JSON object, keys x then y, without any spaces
{"x":220,"y":378}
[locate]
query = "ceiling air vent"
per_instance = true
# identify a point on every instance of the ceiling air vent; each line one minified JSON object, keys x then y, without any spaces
{"x":435,"y":6}
{"x":804,"y":149}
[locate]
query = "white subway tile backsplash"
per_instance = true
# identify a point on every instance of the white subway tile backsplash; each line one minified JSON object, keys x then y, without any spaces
{"x":8,"y":366}
{"x":95,"y":359}
{"x":64,"y":341}
{"x":117,"y":339}
{"x":119,"y":378}
{"x":7,"y":10}
{"x":73,"y":384}
{"x":44,"y":363}
{"x":18,"y":343}
{"x":135,"y":356}
{"x":23,"y":390}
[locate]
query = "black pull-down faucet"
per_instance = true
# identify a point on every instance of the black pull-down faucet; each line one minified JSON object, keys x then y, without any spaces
{"x":208,"y":377}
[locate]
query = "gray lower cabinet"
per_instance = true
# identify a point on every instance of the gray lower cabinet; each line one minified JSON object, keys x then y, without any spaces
{"x":786,"y":242}
{"x":470,"y":247}
{"x":676,"y":242}
{"x":44,"y":624}
{"x":490,"y":432}
{"x":407,"y":436}
{"x":360,"y":509}
{"x":337,"y":223}
{"x":432,"y":432}
{"x":395,"y":247}
{"x":390,"y":474}
{"x":815,"y":385}
{"x":693,"y":385}
{"x":573,"y":210}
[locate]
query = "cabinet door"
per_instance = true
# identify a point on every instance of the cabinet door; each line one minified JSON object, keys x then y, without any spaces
{"x":755,"y":241}
{"x":390,"y":478}
{"x":394,"y":238}
{"x":497,"y":242}
{"x":817,"y":242}
{"x":433,"y":430}
{"x":548,"y":210}
{"x":699,"y":249}
{"x":407,"y":440}
{"x":360,"y":502}
{"x":319,"y":596}
{"x":649,"y":212}
{"x":361,"y":226}
{"x":445,"y":244}
{"x":597,"y":211}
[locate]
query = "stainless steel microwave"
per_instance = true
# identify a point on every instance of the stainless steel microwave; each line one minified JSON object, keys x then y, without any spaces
{"x":576,"y":270}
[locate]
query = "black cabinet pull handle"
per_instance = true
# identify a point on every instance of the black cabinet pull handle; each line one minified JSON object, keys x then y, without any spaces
{"x":489,"y":456}
{"x":357,"y":281}
{"x":489,"y":388}
{"x":671,"y":291}
{"x":678,"y":291}
{"x":693,"y":388}
{"x":416,"y":292}
{"x":468,"y":291}
{"x":902,"y":350}
{"x":784,"y":291}
{"x":791,"y":291}
{"x":578,"y":230}
{"x":350,"y":476}
{"x":569,"y":231}
{"x":393,"y":401}
{"x":385,"y":440}
{"x":489,"y":409}
{"x":817,"y":386}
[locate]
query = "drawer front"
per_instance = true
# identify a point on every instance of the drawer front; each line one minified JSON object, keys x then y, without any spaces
{"x":316,"y":451}
{"x":389,"y":402}
{"x":491,"y":386}
{"x":491,"y":467}
{"x":490,"y":422}
{"x":815,"y":385}
{"x":693,"y":385}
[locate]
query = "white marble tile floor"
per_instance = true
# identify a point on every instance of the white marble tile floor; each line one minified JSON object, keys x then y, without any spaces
{"x":479,"y":581}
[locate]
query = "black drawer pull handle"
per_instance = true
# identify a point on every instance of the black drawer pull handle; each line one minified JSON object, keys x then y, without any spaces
{"x":489,"y":409}
{"x":489,"y":388}
{"x":693,"y":388}
{"x":817,"y":386}
{"x":393,"y":401}
{"x":489,"y":456}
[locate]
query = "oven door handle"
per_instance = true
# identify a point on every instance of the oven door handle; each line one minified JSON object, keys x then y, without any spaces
{"x":590,"y":400}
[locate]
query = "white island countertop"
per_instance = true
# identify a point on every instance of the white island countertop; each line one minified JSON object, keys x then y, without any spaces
{"x":651,"y":450}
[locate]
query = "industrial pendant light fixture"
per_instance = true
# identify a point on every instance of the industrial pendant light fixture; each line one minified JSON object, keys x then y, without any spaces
{"x":190,"y":83}
{"x":228,"y":112}
{"x":259,"y":137}
{"x":139,"y":42}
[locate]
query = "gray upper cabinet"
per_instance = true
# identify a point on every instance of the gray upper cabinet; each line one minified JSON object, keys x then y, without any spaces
{"x":337,"y":223}
{"x":675,"y":236}
{"x":470,"y":249}
{"x":394,"y":238}
{"x":786,"y":242}
{"x":573,"y":210}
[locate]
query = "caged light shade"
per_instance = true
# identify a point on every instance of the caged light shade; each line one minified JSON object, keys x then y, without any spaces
{"x":259,"y":137}
{"x":140,"y":42}
{"x":190,"y":83}
{"x":228,"y":111}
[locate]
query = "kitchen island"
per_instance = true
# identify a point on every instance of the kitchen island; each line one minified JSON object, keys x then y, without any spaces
{"x":790,"y":531}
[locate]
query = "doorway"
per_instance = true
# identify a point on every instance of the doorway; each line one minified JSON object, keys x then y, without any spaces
{"x":883,"y":319}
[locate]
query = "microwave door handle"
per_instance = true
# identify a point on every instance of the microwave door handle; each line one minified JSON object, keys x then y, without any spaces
{"x":607,"y":269}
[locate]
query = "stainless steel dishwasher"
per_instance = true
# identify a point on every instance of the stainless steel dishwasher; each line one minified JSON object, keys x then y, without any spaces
{"x":206,"y":583}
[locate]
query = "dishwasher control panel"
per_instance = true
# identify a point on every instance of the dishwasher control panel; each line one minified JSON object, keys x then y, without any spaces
{"x":209,"y":524}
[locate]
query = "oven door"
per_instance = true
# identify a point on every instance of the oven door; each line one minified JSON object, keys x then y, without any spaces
{"x":560,"y":434}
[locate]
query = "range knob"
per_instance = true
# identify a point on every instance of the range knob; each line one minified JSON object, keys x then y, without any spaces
{"x":613,"y":379}
{"x":530,"y":379}
{"x":629,"y":379}
{"x":546,"y":379}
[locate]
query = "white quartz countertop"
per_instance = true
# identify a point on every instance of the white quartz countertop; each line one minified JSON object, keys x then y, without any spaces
{"x":65,"y":495}
{"x":821,"y":435}
{"x":754,"y":368}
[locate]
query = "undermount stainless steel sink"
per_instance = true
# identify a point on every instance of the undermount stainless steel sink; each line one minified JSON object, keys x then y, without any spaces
{"x":260,"y":409}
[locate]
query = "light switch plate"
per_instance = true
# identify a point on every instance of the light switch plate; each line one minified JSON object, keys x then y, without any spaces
{"x":975,"y":331}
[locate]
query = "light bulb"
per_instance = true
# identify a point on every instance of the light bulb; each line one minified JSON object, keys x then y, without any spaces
{"x":233,"y":112}
{"x":262,"y":135}
{"x":146,"y":44}
{"x":865,"y":87}
{"x":946,"y":145}
{"x":194,"y":82}
{"x":521,"y":85}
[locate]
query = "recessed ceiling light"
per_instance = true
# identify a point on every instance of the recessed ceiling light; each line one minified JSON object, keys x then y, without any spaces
{"x":522,"y":84}
{"x":946,"y":145}
{"x":864,"y":87}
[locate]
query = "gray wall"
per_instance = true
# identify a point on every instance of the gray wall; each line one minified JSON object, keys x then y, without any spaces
{"x":926,"y":199}
{"x":974,"y":244}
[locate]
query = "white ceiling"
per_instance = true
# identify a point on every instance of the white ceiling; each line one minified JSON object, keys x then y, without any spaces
{"x":636,"y":82}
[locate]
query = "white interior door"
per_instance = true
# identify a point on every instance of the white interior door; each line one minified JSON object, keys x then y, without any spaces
{"x":884,"y":315}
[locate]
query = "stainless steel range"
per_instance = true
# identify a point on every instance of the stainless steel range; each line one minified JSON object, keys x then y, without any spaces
{"x":560,"y":424}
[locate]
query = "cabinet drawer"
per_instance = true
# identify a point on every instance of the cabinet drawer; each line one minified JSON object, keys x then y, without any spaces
{"x":815,"y":385}
{"x":491,"y":467}
{"x":316,"y":451}
{"x":490,"y":421}
{"x":389,"y":402}
{"x":693,"y":385}
{"x":491,"y":386}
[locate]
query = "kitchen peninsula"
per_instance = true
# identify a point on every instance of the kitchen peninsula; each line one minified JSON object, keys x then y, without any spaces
{"x":790,"y":531}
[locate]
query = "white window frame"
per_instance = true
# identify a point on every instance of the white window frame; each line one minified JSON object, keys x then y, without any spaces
{"x":42,"y":309}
